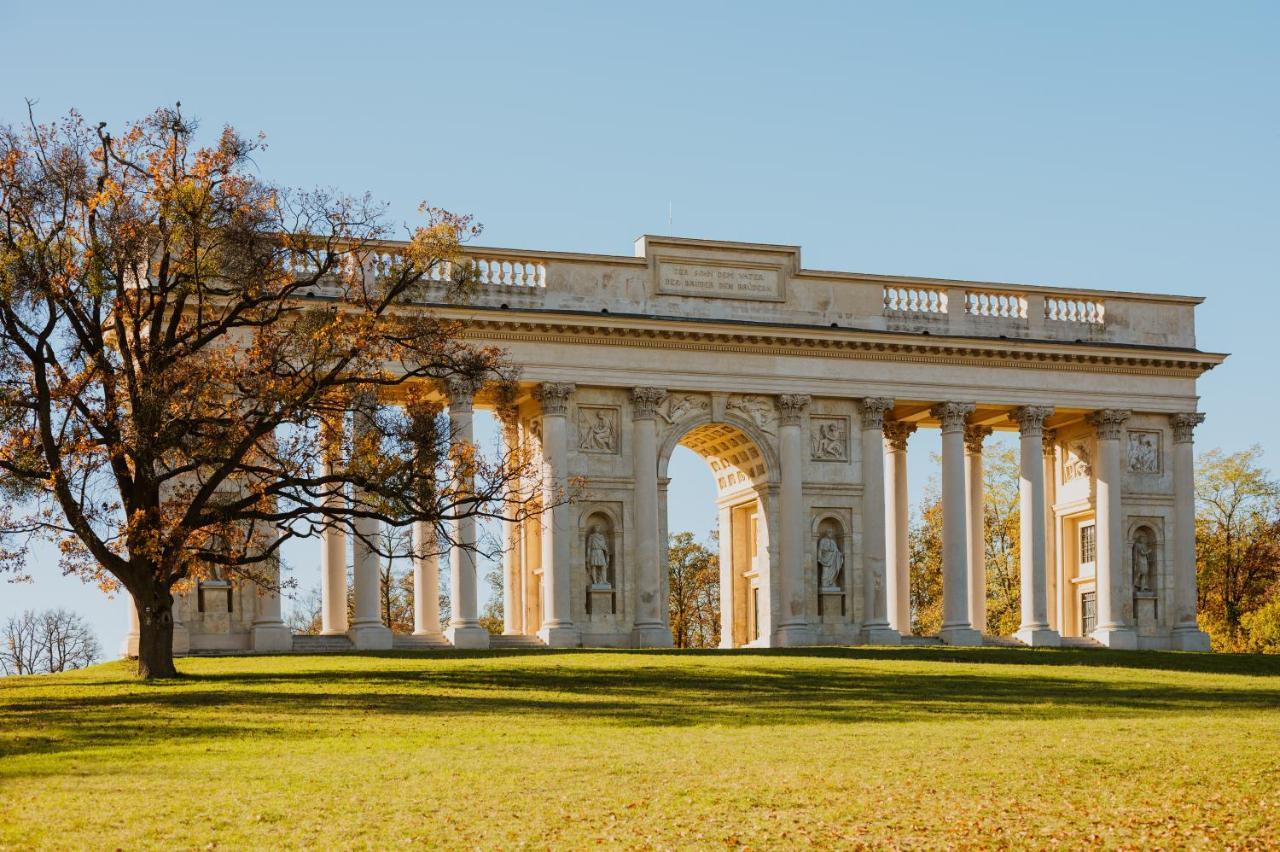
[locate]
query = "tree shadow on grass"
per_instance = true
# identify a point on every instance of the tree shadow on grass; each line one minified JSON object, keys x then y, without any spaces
{"x":734,"y":691}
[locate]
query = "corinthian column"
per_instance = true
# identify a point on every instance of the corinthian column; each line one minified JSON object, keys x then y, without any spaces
{"x":975,"y":537}
{"x":1187,"y":635}
{"x":1115,"y":593}
{"x":512,"y":565}
{"x":897,"y":548}
{"x":956,"y":629}
{"x":557,"y":574}
{"x":426,"y":581}
{"x":333,"y":541}
{"x":367,"y":632}
{"x":651,"y":625}
{"x":464,"y":629}
{"x":1034,"y":629}
{"x":794,"y":627}
{"x":875,"y":611}
{"x":1052,"y":582}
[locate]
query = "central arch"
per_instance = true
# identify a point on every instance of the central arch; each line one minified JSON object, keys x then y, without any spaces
{"x":744,"y":464}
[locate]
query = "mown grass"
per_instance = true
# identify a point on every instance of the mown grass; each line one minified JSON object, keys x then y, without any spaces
{"x":917,"y":746}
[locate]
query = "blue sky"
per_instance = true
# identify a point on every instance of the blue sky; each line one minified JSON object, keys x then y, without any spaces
{"x":1119,"y":146}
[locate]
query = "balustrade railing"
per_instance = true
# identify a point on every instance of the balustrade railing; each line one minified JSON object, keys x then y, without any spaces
{"x":1069,"y":309}
{"x":489,"y":271}
{"x":990,"y":303}
{"x":915,"y":300}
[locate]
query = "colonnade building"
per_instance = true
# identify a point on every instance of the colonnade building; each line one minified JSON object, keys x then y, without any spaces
{"x":803,"y":390}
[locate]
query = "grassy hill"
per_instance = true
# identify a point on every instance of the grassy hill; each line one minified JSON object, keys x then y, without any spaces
{"x":997,"y":747}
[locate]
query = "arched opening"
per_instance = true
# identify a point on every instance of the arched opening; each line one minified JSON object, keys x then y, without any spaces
{"x":735,"y":502}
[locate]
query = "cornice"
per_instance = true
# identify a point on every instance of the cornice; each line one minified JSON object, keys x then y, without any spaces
{"x":846,"y":344}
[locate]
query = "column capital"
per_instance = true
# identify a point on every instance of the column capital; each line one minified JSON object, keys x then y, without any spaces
{"x":896,"y":432}
{"x":554,"y":397}
{"x":1108,"y":422}
{"x":873,"y":409}
{"x":645,"y":402}
{"x":461,"y":391}
{"x":1184,"y":425}
{"x":952,"y":414}
{"x":1030,"y":418}
{"x":791,"y":407}
{"x":974,"y":436}
{"x":1049,"y":442}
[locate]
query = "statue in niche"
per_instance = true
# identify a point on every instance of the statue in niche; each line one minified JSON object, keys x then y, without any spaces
{"x":1144,"y":561}
{"x":598,"y":557}
{"x":596,"y":431}
{"x":830,"y":562}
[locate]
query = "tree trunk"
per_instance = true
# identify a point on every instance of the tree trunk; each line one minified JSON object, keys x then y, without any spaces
{"x":155,"y":634}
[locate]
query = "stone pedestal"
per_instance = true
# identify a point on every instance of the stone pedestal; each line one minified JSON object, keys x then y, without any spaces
{"x":467,"y":638}
{"x":1120,"y":638}
{"x":960,"y":635}
{"x":370,"y":637}
{"x":600,"y":602}
{"x":1146,"y":610}
{"x":270,"y":638}
{"x":1189,"y":640}
{"x":1038,"y":637}
{"x":831,"y":606}
{"x":563,"y":637}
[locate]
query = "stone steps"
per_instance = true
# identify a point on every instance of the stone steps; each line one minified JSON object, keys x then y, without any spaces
{"x":506,"y":642}
{"x":1003,"y":642}
{"x":1080,"y":642}
{"x":321,"y":644}
{"x":921,"y":640}
{"x":403,"y":642}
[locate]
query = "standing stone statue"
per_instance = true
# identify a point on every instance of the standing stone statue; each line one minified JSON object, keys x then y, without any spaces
{"x":830,"y":562}
{"x":1144,"y":563}
{"x":598,"y":557}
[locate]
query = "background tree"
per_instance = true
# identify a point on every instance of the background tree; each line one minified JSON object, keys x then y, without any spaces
{"x":493,"y":619}
{"x":305,"y":616}
{"x":167,"y":370}
{"x":56,"y":640}
{"x":396,"y":580}
{"x":1237,"y":543}
{"x":693,"y":572}
{"x":925,"y":541}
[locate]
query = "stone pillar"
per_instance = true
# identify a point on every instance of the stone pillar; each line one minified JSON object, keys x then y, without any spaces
{"x":1187,"y":635}
{"x":464,"y":629}
{"x":1115,"y":593}
{"x":333,"y":542}
{"x":793,"y":628}
{"x":269,"y":630}
{"x":897,"y":514}
{"x":512,"y":552}
{"x":651,"y":625}
{"x":1053,"y":582}
{"x":1034,"y":629}
{"x":557,"y":574}
{"x":956,"y":629}
{"x":426,"y":581}
{"x":975,"y":531}
{"x":875,"y":611}
{"x":728,"y":617}
{"x":367,"y":632}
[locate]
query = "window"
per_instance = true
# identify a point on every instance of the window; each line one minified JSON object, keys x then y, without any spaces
{"x":1088,"y":612}
{"x":1088,"y":543}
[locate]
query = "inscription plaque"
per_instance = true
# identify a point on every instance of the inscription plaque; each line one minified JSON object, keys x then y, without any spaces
{"x":719,"y":282}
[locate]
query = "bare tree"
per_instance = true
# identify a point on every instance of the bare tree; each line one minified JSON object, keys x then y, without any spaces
{"x":306,"y":612}
{"x":694,"y":580}
{"x":56,"y":640}
{"x":180,"y":341}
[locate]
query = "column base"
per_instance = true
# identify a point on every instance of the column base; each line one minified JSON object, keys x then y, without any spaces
{"x":1189,"y":640}
{"x":560,"y":637}
{"x":370,"y":637}
{"x":793,"y":636}
{"x":272,"y":637}
{"x":467,"y":637}
{"x":965,"y":636}
{"x":651,"y":636}
{"x":182,"y":639}
{"x":1120,"y":638}
{"x":880,"y":634}
{"x":1038,"y":637}
{"x":129,"y":647}
{"x":429,"y":634}
{"x":342,"y":631}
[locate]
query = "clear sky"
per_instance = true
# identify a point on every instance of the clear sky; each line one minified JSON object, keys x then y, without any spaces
{"x":1113,"y":145}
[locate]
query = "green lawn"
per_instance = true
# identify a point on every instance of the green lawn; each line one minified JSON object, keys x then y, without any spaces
{"x":919,"y":746}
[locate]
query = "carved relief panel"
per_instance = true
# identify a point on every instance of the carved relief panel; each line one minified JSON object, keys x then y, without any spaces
{"x":597,"y":429}
{"x":829,"y":437}
{"x":755,"y":408}
{"x":1144,"y":451}
{"x":1077,"y":461}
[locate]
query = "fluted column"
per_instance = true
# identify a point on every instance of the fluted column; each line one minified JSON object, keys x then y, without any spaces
{"x":464,"y":629}
{"x":794,"y":628}
{"x":956,"y":629}
{"x":651,"y":625}
{"x":1187,"y":635}
{"x":512,"y":551}
{"x":1034,"y":629}
{"x":333,"y":541}
{"x":426,"y":580}
{"x":557,"y":574}
{"x":367,"y":632}
{"x":875,"y":609}
{"x":897,"y":549}
{"x":975,"y":531}
{"x":1053,"y":582}
{"x":1115,"y":593}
